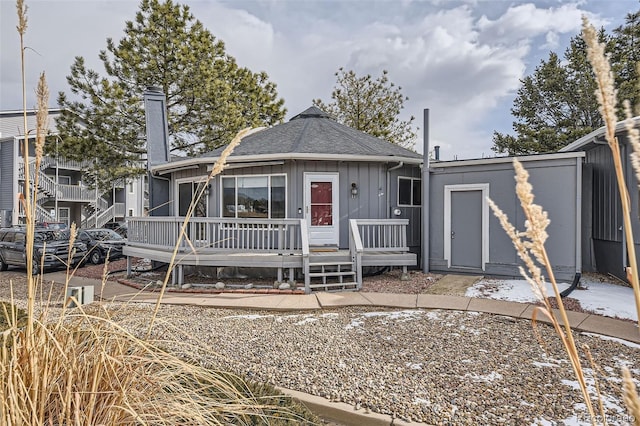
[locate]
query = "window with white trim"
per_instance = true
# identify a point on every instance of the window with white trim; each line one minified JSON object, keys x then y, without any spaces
{"x":64,"y":215}
{"x":259,"y":196}
{"x":409,"y":191}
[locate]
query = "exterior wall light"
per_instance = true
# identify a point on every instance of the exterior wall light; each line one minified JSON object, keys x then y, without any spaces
{"x":354,"y":190}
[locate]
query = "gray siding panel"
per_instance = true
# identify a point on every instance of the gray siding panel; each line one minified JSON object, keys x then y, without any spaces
{"x":372,"y":201}
{"x":555,"y":188}
{"x":607,"y":216}
{"x":6,"y":174}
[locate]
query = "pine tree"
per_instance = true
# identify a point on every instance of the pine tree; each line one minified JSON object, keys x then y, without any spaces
{"x":371,"y":106}
{"x":556,"y":104}
{"x":209,"y":96}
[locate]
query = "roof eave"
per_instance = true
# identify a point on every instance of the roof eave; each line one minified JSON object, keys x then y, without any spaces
{"x":498,"y":160}
{"x":597,"y":135}
{"x":191,"y":162}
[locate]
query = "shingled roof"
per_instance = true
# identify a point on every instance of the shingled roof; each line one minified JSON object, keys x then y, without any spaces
{"x":311,"y":135}
{"x":313,"y":131}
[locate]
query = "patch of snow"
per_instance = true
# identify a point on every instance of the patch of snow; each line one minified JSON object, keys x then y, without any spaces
{"x":406,"y":315}
{"x":610,"y":404}
{"x":615,"y":339}
{"x":354,"y":324}
{"x":487,"y":378}
{"x":414,"y":366}
{"x":306,"y":321}
{"x":248,"y":317}
{"x":603,"y":298}
{"x":545,"y":364}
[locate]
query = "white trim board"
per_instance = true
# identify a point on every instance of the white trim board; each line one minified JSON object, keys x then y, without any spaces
{"x":448,"y":189}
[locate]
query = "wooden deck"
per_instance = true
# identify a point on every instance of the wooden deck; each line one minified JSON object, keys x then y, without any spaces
{"x":269,"y":243}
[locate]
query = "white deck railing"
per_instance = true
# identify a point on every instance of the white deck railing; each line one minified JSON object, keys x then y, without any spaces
{"x":383,"y":234}
{"x":278,"y":236}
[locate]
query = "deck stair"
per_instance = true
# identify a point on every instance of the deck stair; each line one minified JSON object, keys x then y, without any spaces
{"x":332,"y":272}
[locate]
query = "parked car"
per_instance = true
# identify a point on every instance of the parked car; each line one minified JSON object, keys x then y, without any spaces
{"x":119,"y":227}
{"x":50,"y":249}
{"x":58,"y":226}
{"x":102,"y":242}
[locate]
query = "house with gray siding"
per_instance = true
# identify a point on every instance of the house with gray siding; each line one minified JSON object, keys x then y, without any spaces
{"x":576,"y":186}
{"x":310,"y":199}
{"x":466,"y":237}
{"x":603,"y":226}
{"x":62,"y":196}
{"x":319,"y":201}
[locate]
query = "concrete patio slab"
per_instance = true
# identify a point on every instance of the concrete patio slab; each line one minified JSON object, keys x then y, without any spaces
{"x":454,"y":285}
{"x":392,"y":300}
{"x":245,"y":301}
{"x":333,"y":300}
{"x":575,"y":318}
{"x":500,"y":307}
{"x":439,"y":301}
{"x":611,"y":327}
{"x":299,"y":301}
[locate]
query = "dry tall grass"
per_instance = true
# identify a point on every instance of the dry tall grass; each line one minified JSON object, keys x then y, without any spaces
{"x":530,"y":247}
{"x":84,"y":369}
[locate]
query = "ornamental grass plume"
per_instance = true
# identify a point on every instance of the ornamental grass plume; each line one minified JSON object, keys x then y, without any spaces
{"x":218,"y":167}
{"x":529,"y":245}
{"x":606,"y":95}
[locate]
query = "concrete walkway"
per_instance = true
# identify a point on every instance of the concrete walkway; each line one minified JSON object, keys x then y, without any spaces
{"x":341,"y":413}
{"x":287,"y":302}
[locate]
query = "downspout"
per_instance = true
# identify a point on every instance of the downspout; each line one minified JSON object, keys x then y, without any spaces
{"x":578,"y":243}
{"x":425,"y":193}
{"x":396,"y":167}
{"x":625,"y":260}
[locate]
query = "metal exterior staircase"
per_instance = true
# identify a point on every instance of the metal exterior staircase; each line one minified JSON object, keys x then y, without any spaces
{"x":47,"y":188}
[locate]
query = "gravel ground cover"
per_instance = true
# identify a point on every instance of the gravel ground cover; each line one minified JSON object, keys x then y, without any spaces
{"x":437,"y":367}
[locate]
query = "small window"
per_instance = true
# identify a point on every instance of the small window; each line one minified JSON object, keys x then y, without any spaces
{"x":130,"y":212}
{"x":409,"y":191}
{"x":131,"y":189}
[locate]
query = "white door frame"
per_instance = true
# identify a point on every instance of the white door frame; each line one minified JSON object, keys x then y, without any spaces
{"x":448,"y":189}
{"x":176,"y":191}
{"x":334,"y":177}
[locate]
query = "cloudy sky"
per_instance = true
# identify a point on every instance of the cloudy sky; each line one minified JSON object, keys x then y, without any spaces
{"x":460,"y":59}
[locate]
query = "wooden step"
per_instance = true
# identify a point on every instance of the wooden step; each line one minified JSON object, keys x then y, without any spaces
{"x":330,"y":263}
{"x":332,"y":274}
{"x":326,"y":286}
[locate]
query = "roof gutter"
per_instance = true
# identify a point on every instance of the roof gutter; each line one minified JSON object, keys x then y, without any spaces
{"x":396,"y":167}
{"x":190,"y":162}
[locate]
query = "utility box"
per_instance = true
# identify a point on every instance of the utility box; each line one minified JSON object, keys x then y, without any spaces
{"x":82,"y":296}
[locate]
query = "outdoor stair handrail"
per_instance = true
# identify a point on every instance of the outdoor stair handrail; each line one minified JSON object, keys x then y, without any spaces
{"x":356,"y":249}
{"x":105,"y":216}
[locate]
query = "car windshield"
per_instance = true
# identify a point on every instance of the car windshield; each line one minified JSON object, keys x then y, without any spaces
{"x":104,"y":234}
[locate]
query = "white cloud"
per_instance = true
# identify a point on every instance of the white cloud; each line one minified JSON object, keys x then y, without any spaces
{"x":461,"y":60}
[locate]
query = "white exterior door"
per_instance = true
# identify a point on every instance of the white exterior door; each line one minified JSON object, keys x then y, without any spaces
{"x":321,"y":208}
